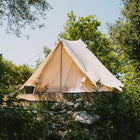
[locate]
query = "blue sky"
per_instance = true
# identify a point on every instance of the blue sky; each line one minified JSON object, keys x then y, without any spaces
{"x":23,"y":50}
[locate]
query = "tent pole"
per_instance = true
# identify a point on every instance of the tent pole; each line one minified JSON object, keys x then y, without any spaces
{"x":61,"y":70}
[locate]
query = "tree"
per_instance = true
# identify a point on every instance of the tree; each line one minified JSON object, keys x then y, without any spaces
{"x":125,"y":33}
{"x":12,"y":75}
{"x":86,"y":29}
{"x":18,"y":14}
{"x":125,"y":38}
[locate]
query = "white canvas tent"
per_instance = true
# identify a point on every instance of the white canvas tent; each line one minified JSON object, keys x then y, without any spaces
{"x":71,"y":67}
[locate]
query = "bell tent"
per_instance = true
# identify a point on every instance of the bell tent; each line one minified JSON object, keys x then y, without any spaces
{"x":71,"y":67}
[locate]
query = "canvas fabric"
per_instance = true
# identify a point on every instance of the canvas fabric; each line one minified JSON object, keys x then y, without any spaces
{"x":71,"y":67}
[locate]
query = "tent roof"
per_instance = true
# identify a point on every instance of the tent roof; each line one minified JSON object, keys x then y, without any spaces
{"x":89,"y":64}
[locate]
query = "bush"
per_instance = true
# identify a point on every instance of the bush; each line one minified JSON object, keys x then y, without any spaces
{"x":118,"y":117}
{"x":17,"y":122}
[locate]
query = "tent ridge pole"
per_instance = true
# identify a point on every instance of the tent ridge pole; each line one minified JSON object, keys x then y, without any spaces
{"x":61,"y":70}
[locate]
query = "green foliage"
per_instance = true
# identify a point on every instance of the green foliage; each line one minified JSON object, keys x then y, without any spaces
{"x":125,"y":33}
{"x":118,"y":117}
{"x":125,"y":38}
{"x":77,"y":134}
{"x":24,"y":72}
{"x":86,"y":29}
{"x":12,"y":118}
{"x":12,"y":75}
{"x":46,"y":51}
{"x":18,"y":14}
{"x":132,"y":88}
{"x":17,"y":123}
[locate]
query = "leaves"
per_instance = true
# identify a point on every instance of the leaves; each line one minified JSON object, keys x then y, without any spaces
{"x":125,"y":38}
{"x":125,"y":33}
{"x":12,"y":75}
{"x":18,"y":14}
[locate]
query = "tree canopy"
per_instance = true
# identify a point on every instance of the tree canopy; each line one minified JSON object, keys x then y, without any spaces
{"x":124,"y":36}
{"x":18,"y":14}
{"x":12,"y":75}
{"x":125,"y":33}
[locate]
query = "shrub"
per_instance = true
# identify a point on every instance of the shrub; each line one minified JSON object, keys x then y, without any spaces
{"x":118,"y":119}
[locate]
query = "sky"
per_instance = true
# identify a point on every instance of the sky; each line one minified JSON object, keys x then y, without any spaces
{"x":26,"y":51}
